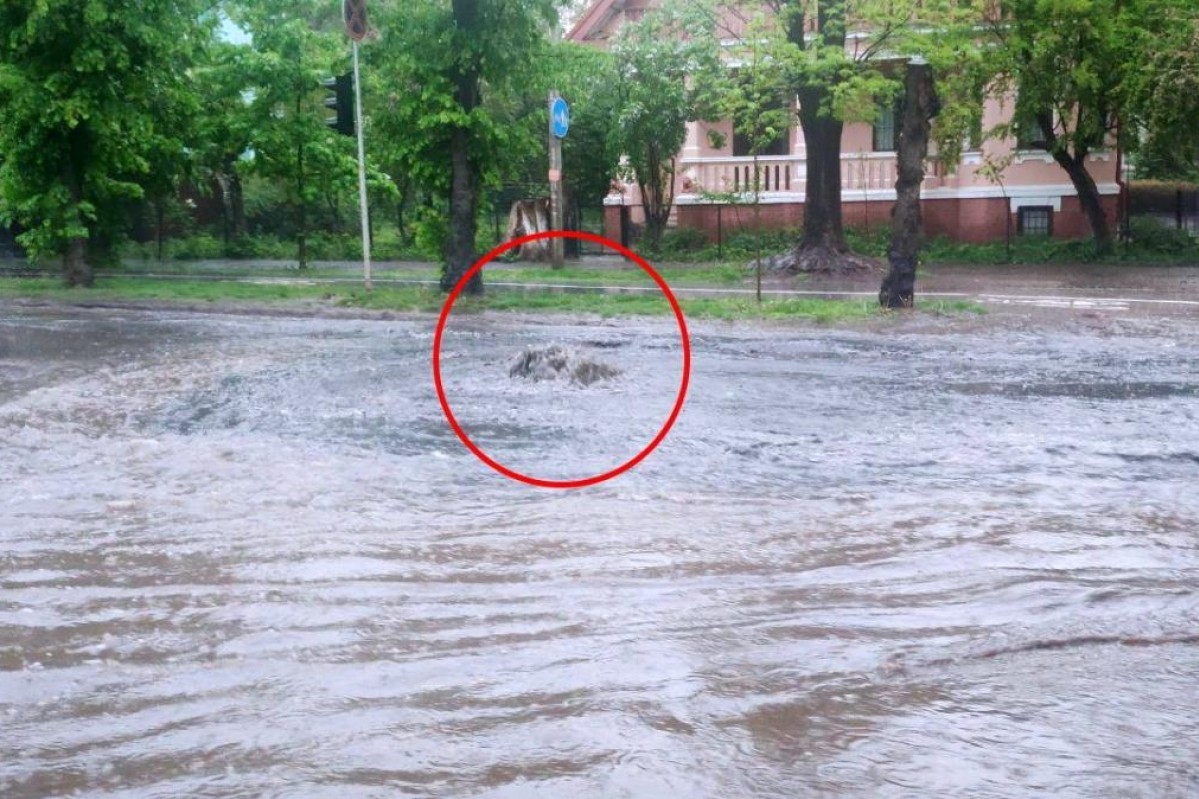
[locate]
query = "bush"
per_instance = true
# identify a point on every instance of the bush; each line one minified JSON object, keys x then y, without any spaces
{"x":683,"y":240}
{"x":1149,"y":235}
{"x":201,"y":245}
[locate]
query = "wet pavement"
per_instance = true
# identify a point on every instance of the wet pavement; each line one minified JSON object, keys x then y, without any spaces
{"x":246,"y":556}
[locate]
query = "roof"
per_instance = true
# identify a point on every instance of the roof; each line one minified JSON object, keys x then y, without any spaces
{"x":594,"y":23}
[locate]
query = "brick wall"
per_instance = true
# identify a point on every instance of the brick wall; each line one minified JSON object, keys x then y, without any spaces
{"x":972,"y":220}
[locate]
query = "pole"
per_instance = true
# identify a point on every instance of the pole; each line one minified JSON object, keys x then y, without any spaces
{"x":363,"y":211}
{"x":556,"y":200}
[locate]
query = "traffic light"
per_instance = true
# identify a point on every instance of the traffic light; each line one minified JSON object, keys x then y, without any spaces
{"x":342,"y":103}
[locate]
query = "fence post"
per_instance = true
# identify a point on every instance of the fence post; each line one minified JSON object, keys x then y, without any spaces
{"x":1178,"y":210}
{"x":719,"y":231}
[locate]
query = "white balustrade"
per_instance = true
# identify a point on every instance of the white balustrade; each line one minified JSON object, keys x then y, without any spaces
{"x":860,"y":172}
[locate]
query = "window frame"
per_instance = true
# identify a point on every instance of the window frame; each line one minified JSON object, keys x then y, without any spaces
{"x":1021,"y":222}
{"x":874,"y":129}
{"x":1025,"y":140}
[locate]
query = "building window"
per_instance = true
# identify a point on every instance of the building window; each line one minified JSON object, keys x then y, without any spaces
{"x":884,"y":130}
{"x":780,"y":146}
{"x":1030,"y":134}
{"x":1035,"y":220}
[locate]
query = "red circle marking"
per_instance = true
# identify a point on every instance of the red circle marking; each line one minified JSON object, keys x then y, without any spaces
{"x":583,"y":481}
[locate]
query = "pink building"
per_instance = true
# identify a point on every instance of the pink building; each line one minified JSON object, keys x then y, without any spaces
{"x":1032,"y":194}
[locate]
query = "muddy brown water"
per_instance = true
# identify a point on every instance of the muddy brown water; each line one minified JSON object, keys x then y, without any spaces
{"x":247,"y":557}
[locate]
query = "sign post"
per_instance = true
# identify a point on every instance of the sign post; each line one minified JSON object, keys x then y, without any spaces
{"x":559,"y":125}
{"x":355,"y":16}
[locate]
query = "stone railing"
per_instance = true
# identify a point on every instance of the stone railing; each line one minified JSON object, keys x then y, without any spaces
{"x":787,"y":174}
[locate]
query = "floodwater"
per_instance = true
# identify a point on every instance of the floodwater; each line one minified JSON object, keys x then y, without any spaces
{"x":247,"y":557}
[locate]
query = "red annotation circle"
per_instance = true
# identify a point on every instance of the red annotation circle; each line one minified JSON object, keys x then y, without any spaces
{"x":584,"y":481}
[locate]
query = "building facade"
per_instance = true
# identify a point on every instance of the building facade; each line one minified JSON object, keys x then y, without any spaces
{"x":1030,"y":196}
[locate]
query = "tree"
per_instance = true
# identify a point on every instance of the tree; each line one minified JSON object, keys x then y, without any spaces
{"x":919,"y":104}
{"x":586,"y":77}
{"x":759,"y":103}
{"x":91,"y":92}
{"x":223,"y":133}
{"x":834,"y":85}
{"x":1087,"y":75}
{"x":295,"y":44}
{"x":943,"y":79}
{"x":1067,"y":63}
{"x":452,"y":66}
{"x":1163,"y":95}
{"x":668,"y":73}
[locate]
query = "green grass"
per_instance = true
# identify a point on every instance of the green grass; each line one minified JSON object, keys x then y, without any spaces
{"x":699,"y":274}
{"x":631,"y":275}
{"x":614,"y":305}
{"x":428,"y":300}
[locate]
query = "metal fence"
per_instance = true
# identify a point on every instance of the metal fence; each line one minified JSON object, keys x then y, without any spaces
{"x":578,"y":216}
{"x":719,"y":225}
{"x":1173,"y":206}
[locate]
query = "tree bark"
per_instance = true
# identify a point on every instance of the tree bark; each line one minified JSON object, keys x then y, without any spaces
{"x":464,"y":217}
{"x":822,"y":201}
{"x":1088,"y":198}
{"x":237,"y":205}
{"x":822,"y":246}
{"x":917,"y":109}
{"x":233,"y":205}
{"x":1075,"y":165}
{"x":301,"y":200}
{"x":465,"y":171}
{"x":76,"y":270}
{"x":657,"y":197}
{"x":159,"y":221}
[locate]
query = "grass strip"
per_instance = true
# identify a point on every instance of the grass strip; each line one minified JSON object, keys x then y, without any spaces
{"x":429,"y":300}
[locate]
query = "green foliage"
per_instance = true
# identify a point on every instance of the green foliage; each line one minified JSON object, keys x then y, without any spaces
{"x":1150,"y":235}
{"x":414,"y":94}
{"x":668,"y":73}
{"x":1064,"y":62}
{"x":452,"y":81}
{"x":1162,"y":94}
{"x":95,"y":100}
{"x":682,"y":241}
{"x":586,"y":77}
{"x":294,"y":45}
{"x":1085,"y":72}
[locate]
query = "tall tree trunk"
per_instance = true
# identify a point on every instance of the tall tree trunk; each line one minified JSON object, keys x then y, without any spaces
{"x":237,"y":203}
{"x":917,"y":109}
{"x":159,"y":222}
{"x":464,"y":217}
{"x":465,"y":171}
{"x":301,"y":201}
{"x":1075,"y":165}
{"x":657,"y":199}
{"x":822,"y":197}
{"x":822,"y":246}
{"x":220,"y":187}
{"x":76,"y":271}
{"x":1088,"y":198}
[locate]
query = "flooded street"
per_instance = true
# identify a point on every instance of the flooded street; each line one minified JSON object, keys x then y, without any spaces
{"x":247,"y":557}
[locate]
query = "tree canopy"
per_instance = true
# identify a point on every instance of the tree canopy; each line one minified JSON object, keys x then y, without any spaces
{"x":96,"y":103}
{"x":119,"y":109}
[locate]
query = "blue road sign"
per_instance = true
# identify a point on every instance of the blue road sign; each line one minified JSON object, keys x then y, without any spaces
{"x":560,"y":117}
